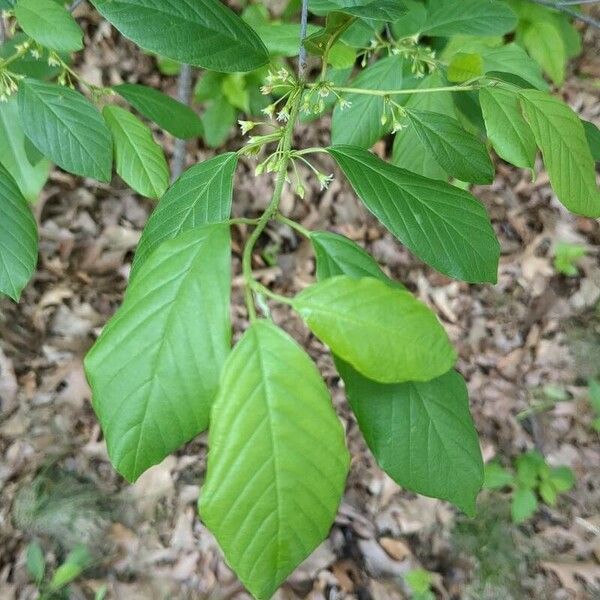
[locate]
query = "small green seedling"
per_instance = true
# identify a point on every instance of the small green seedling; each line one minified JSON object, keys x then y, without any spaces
{"x":57,"y":586}
{"x":566,"y":257}
{"x":532,"y":480}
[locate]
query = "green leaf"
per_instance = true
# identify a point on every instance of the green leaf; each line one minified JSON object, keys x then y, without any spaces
{"x":496,"y":477}
{"x":421,"y":434}
{"x":139,"y":159}
{"x":560,"y":136}
{"x":592,"y":133}
{"x":529,"y":465}
{"x":523,"y":505}
{"x":562,"y":478}
{"x":409,"y":152}
{"x":204,"y":33}
{"x":412,"y":22}
{"x":66,"y":128}
{"x":282,"y":39}
{"x":545,"y":44}
{"x":200,"y":196}
{"x":376,"y":10}
{"x":473,"y":17}
{"x":35,"y":562}
{"x":49,"y":24}
{"x":465,"y":66}
{"x":440,"y":223}
{"x":512,"y":63}
{"x":456,"y":150}
{"x":508,"y":131}
{"x":155,"y":369}
{"x":277,"y":460}
{"x":18,"y":238}
{"x":338,"y":255}
{"x":218,"y":120}
{"x":14,"y":156}
{"x":173,"y":116}
{"x":28,"y":65}
{"x":76,"y":562}
{"x":384,"y":332}
{"x":360,"y":123}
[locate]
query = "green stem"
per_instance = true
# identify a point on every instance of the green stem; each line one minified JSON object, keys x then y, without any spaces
{"x":452,"y":88}
{"x":314,"y":150}
{"x":301,"y":230}
{"x":243,"y":221}
{"x":286,"y":146}
{"x":259,"y":287}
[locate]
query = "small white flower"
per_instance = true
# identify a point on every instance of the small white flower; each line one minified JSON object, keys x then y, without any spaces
{"x":324,"y":180}
{"x":246,"y":126}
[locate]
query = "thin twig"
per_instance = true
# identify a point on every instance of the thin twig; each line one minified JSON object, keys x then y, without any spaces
{"x":568,"y":11}
{"x":303,"y":28}
{"x":184,"y":94}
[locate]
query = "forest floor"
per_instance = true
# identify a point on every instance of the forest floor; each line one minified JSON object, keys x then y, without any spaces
{"x":527,"y":348}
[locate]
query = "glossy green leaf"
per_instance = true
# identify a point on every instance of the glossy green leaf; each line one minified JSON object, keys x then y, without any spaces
{"x":465,"y":66}
{"x":201,"y":195}
{"x":277,"y":460}
{"x":154,"y":370}
{"x":545,"y":43}
{"x":523,"y":505}
{"x":506,"y":127}
{"x":338,"y":255}
{"x":561,"y":137}
{"x":384,"y":332}
{"x":49,"y":24}
{"x":360,"y":123}
{"x":472,"y":17}
{"x":421,"y":434}
{"x":376,"y":10}
{"x":173,"y":116}
{"x":458,"y":152}
{"x":592,"y":133}
{"x":442,"y":224}
{"x":139,"y":159}
{"x":204,"y":33}
{"x":14,"y":156}
{"x":65,"y":127}
{"x":18,"y":238}
{"x":409,"y":152}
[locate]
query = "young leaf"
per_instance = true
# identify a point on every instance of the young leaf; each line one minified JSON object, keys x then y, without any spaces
{"x":139,"y":159}
{"x":443,"y":225}
{"x":514,"y":65}
{"x":473,"y":17}
{"x":49,"y":24}
{"x":496,"y":477}
{"x":277,"y":460}
{"x":338,"y":255}
{"x":409,"y":152}
{"x":457,"y":151}
{"x":66,"y":128}
{"x":204,"y":33}
{"x":14,"y":155}
{"x":200,"y":196}
{"x":173,"y":116}
{"x":18,"y":238}
{"x":384,"y":332}
{"x":507,"y":129}
{"x":560,"y":136}
{"x":155,"y":368}
{"x":523,"y":505}
{"x":421,"y":434}
{"x":360,"y":123}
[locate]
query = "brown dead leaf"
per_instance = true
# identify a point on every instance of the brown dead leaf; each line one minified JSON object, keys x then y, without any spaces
{"x":571,"y":575}
{"x":397,"y":549}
